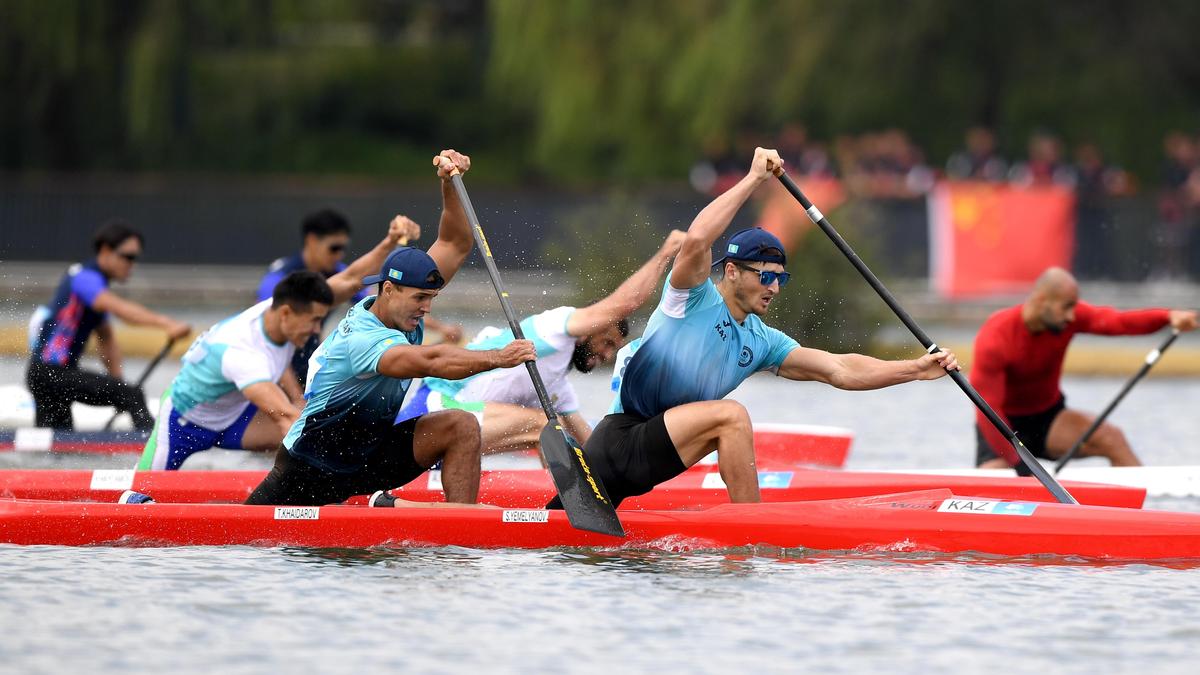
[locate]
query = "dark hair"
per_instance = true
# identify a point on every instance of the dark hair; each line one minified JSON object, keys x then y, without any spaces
{"x":324,"y":223}
{"x":623,"y":326}
{"x":299,"y":290}
{"x":771,"y":251}
{"x":113,"y":233}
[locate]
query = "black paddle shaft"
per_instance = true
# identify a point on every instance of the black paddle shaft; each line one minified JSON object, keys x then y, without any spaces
{"x":1035,"y":467}
{"x":145,"y":376}
{"x":1151,"y":359}
{"x":581,"y":492}
{"x":480,"y":241}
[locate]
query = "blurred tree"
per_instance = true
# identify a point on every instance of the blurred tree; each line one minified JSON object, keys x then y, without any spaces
{"x":616,"y":90}
{"x":630,"y":88}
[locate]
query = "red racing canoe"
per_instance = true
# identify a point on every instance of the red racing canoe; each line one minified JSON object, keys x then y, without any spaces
{"x":932,"y":520}
{"x":533,"y":488}
{"x":787,"y":445}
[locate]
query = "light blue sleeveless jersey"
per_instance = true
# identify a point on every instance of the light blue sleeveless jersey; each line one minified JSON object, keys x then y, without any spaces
{"x":693,"y":350}
{"x":349,"y":406}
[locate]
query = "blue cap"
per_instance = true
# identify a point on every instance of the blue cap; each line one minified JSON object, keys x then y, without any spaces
{"x":408,"y":266}
{"x":749,"y":245}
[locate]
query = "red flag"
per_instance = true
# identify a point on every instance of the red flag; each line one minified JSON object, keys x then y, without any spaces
{"x":990,"y":238}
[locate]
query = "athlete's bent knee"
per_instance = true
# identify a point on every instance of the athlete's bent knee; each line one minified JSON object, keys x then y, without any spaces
{"x":734,"y":416}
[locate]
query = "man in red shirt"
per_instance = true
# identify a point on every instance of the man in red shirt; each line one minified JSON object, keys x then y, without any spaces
{"x":1018,"y":363}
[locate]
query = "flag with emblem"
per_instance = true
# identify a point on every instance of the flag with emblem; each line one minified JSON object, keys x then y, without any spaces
{"x":989,"y":239}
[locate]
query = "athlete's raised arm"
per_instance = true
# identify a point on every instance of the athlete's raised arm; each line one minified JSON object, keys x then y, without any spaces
{"x":692,"y":265}
{"x":454,"y":240}
{"x":348,"y":282}
{"x":630,"y":295}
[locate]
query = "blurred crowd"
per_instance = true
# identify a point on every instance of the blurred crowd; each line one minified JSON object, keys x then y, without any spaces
{"x":887,"y":164}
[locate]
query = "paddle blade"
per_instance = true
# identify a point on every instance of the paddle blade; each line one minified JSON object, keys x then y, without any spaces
{"x":581,"y":492}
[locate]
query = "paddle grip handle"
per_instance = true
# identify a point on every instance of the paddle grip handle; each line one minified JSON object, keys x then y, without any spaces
{"x":437,"y":161}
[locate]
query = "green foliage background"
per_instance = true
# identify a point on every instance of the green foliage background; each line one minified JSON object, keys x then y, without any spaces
{"x":613,"y":92}
{"x":619,"y":90}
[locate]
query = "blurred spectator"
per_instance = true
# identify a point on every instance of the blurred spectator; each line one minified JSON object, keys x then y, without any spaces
{"x":706,"y":172}
{"x":723,"y":164}
{"x":1176,"y":204}
{"x":979,"y":160}
{"x":1095,"y":185}
{"x":801,"y":155}
{"x":884,"y":165}
{"x":1045,"y":165}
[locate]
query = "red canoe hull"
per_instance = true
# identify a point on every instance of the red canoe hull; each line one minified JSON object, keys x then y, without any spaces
{"x":934,"y":521}
{"x":533,"y":488}
{"x":787,"y":445}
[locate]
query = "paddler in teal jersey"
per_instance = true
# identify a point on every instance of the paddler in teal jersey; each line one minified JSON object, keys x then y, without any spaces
{"x":702,"y":341}
{"x":346,"y":441}
{"x":235,"y":389}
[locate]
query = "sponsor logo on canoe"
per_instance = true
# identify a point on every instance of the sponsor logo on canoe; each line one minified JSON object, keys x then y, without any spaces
{"x":297,"y":512}
{"x":984,"y":506}
{"x":525,"y":516}
{"x":435,"y":479}
{"x":766,"y":479}
{"x":112,"y":479}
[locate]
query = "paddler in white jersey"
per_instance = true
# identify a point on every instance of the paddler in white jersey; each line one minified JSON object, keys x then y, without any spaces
{"x":504,"y":401}
{"x":231,"y":391}
{"x":702,"y":341}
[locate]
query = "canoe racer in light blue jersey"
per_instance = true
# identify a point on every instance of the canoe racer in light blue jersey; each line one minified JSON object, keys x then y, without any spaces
{"x":346,"y":441}
{"x":702,"y":341}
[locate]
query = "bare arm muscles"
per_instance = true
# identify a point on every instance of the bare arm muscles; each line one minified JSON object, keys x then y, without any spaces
{"x":110,"y":354}
{"x":579,"y":428}
{"x":349,"y":281}
{"x":454,"y":238}
{"x":694,"y":262}
{"x":858,"y":372}
{"x":451,"y":362}
{"x":273,"y":402}
{"x":290,"y":384}
{"x":629,"y":295}
{"x":131,"y":312}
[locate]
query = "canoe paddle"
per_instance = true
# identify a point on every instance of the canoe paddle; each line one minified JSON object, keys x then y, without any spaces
{"x":1151,"y":359}
{"x":582,"y":493}
{"x":145,"y":375}
{"x":1035,"y":467}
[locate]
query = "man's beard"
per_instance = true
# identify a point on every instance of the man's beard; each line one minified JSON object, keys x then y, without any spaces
{"x":581,"y":357}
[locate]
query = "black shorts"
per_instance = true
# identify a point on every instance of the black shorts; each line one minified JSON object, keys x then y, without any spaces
{"x":1031,"y":429}
{"x":631,"y":455}
{"x":295,"y":482}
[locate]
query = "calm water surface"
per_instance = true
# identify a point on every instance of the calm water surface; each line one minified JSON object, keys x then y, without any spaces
{"x":247,"y":610}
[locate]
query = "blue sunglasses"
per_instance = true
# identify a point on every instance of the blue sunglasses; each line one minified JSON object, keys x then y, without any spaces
{"x":767,"y":278}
